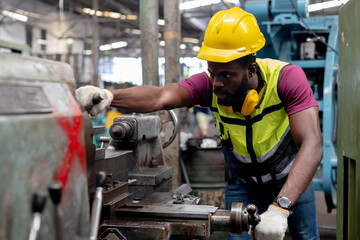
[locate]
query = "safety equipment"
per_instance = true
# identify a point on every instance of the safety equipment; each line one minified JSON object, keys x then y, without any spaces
{"x":94,"y":99}
{"x":254,"y":162}
{"x":231,"y":34}
{"x":273,"y":224}
{"x":245,"y":99}
{"x":250,"y":102}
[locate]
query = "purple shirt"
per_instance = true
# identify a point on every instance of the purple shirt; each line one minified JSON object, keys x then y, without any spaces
{"x":294,"y":89}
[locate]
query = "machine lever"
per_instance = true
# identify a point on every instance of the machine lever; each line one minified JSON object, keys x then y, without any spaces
{"x":254,"y":217}
{"x":96,"y":206}
{"x":38,"y":204}
{"x":55,"y":191}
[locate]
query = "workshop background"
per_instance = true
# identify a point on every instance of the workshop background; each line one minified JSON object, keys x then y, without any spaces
{"x":48,"y":44}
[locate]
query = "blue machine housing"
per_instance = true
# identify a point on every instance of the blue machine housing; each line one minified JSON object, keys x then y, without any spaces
{"x":311,"y":43}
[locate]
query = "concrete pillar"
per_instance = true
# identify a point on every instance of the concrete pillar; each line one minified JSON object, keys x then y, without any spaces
{"x":172,"y":73}
{"x":149,"y":14}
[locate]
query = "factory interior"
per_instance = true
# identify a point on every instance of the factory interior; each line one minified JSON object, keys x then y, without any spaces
{"x":119,"y":174}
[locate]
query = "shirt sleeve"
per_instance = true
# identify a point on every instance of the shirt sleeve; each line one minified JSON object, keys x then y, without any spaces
{"x":199,"y":87}
{"x":294,"y":90}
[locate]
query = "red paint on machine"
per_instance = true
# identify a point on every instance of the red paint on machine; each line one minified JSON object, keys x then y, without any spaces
{"x":75,"y":148}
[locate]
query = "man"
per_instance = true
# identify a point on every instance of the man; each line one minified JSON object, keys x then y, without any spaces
{"x":266,"y":116}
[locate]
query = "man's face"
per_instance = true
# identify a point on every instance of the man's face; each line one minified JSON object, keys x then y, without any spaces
{"x":226,"y":79}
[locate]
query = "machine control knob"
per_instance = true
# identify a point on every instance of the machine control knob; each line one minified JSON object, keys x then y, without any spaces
{"x":55,"y":190}
{"x":38,"y":202}
{"x":100,"y":179}
{"x":254,"y":217}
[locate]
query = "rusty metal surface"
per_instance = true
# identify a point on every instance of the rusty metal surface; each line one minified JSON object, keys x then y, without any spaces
{"x":167,"y":211}
{"x":113,"y":190}
{"x":170,"y":198}
{"x":134,"y":229}
{"x":151,"y":176}
{"x":142,"y":191}
{"x":116,"y":163}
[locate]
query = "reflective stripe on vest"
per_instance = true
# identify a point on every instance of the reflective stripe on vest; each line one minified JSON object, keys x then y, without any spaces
{"x":261,"y":145}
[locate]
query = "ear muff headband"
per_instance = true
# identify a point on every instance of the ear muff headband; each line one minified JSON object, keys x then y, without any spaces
{"x":250,"y":102}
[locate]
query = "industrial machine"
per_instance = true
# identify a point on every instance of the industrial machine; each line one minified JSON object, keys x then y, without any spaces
{"x":309,"y":42}
{"x":53,"y":174}
{"x":348,"y":210}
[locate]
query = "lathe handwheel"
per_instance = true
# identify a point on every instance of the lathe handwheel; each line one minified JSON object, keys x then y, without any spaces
{"x":172,"y":117}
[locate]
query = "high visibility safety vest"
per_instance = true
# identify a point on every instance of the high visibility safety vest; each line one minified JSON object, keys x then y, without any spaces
{"x":258,"y":148}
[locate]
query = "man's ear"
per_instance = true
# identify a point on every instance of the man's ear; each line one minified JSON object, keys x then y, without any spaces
{"x":251,"y":70}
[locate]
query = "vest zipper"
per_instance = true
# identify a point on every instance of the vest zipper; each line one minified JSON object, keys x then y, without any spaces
{"x":250,"y":147}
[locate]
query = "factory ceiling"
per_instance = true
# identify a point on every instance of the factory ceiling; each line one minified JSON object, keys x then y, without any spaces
{"x":126,"y":27}
{"x":119,"y":21}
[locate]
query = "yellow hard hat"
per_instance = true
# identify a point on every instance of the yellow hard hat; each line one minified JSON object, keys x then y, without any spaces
{"x":231,"y":34}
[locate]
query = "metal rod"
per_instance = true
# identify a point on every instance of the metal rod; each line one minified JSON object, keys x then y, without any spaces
{"x":95,"y":214}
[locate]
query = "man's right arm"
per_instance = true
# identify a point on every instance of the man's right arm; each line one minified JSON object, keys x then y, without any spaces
{"x":151,"y":98}
{"x":136,"y":99}
{"x":193,"y":90}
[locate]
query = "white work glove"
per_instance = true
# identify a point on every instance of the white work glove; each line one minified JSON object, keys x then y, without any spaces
{"x":94,"y":99}
{"x":273,"y":224}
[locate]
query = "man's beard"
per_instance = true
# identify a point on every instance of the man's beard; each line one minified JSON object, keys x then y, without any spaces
{"x":235,"y":100}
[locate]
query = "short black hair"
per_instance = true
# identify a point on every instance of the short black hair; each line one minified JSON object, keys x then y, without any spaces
{"x":246,"y":60}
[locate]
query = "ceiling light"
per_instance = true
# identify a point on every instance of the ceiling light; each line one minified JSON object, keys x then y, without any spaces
{"x":105,"y":47}
{"x":325,"y":5}
{"x":15,"y":16}
{"x":86,"y":10}
{"x":69,"y":41}
{"x":114,"y":15}
{"x":196,"y":48}
{"x":233,"y":1}
{"x":197,"y":3}
{"x":131,"y":17}
{"x":135,"y":31}
{"x":41,"y":41}
{"x":87,"y":52}
{"x":191,"y":40}
{"x":182,"y":46}
{"x":107,"y":14}
{"x":161,"y":22}
{"x":119,"y":44}
{"x":115,"y":45}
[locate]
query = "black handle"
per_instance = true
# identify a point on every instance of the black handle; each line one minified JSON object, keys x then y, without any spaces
{"x":38,"y":201}
{"x":100,"y":179}
{"x":55,"y":191}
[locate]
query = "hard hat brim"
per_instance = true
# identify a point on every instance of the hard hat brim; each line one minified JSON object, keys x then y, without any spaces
{"x":223,"y":55}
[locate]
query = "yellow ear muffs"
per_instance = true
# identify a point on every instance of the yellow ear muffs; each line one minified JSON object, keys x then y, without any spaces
{"x":250,"y":102}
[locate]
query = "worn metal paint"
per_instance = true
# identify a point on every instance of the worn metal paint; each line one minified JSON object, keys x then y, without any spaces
{"x":39,"y":147}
